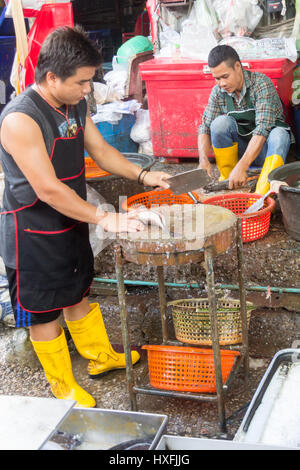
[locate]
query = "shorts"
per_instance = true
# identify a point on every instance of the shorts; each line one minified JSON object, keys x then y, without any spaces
{"x":24,"y":318}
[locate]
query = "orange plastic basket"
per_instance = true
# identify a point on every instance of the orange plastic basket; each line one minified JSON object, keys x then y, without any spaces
{"x":92,"y":170}
{"x":186,"y":369}
{"x":156,"y":198}
{"x":255,"y":225}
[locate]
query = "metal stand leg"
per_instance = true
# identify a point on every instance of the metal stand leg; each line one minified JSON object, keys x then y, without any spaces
{"x":243,"y":305}
{"x":215,"y":336}
{"x":162,"y":303}
{"x":125,"y":336}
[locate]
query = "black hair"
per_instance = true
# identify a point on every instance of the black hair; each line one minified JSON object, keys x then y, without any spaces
{"x":64,"y":51}
{"x":221,"y":54}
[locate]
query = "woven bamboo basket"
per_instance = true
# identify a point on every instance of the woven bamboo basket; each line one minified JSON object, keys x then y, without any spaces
{"x":192,"y":321}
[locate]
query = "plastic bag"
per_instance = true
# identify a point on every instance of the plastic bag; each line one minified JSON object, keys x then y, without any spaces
{"x":169,"y":41}
{"x":6,"y":310}
{"x":104,"y":94}
{"x":100,"y":92}
{"x":168,"y":36}
{"x":296,"y":28}
{"x":267,"y":48}
{"x":244,"y":46}
{"x":197,"y":38}
{"x":146,"y":148}
{"x":141,"y":130}
{"x":116,"y":81}
{"x":99,"y":239}
{"x":237,"y":17}
{"x":192,"y":47}
{"x":205,"y":14}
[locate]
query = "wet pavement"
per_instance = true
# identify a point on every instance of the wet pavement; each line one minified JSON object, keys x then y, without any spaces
{"x":271,"y":261}
{"x":185,"y":417}
{"x":270,"y":330}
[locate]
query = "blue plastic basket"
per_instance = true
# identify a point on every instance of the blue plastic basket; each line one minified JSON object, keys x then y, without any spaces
{"x":6,"y":25}
{"x":7,"y":53}
{"x":118,"y":135}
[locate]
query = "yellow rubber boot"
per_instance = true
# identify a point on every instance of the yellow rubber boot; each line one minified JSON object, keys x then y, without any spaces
{"x":91,"y":340}
{"x":226,"y":159}
{"x":271,"y":162}
{"x":55,"y":359}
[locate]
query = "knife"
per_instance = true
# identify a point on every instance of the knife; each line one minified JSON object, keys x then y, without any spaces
{"x":188,"y":181}
{"x":222,"y":185}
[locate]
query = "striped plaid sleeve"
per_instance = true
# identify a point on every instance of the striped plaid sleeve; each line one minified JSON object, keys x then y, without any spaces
{"x":212,"y":110}
{"x":268,"y":106}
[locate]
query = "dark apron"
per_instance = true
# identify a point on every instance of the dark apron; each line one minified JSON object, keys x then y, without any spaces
{"x":245,"y":119}
{"x":55,"y":264}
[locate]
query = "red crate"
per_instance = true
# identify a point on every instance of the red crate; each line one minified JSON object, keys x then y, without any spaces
{"x":255,"y":225}
{"x":186,"y":369}
{"x":178,"y":92}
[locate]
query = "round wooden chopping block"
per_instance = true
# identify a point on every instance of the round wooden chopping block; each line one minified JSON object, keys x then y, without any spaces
{"x":189,"y":229}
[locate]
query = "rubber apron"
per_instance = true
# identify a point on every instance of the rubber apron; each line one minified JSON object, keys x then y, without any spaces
{"x":54,"y":260}
{"x":246,"y":119}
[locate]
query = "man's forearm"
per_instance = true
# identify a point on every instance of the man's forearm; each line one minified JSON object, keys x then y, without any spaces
{"x":66,"y":201}
{"x":106,"y":156}
{"x":204,"y":145}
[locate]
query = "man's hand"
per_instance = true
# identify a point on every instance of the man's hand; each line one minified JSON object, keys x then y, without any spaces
{"x":156,"y":178}
{"x":116,"y":223}
{"x":238,"y":177}
{"x":204,"y":164}
{"x":275,"y":185}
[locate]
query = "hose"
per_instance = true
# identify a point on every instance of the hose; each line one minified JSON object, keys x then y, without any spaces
{"x":137,"y":283}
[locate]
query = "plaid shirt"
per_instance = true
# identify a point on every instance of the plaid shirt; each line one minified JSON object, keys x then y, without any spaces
{"x":263,"y":97}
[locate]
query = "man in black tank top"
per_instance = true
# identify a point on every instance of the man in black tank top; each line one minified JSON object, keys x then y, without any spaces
{"x":44,"y":223}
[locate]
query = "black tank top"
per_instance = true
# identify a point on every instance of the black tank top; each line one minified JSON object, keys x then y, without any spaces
{"x":13,"y":175}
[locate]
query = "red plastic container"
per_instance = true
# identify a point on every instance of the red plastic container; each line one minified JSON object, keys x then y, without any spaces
{"x":50,"y":17}
{"x":255,"y":225}
{"x":186,"y":369}
{"x":156,"y":198}
{"x":178,"y":92}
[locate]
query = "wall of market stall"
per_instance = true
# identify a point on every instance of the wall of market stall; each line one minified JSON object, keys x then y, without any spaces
{"x":178,"y":79}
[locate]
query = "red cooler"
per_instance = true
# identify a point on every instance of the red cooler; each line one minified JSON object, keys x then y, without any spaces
{"x":178,"y":92}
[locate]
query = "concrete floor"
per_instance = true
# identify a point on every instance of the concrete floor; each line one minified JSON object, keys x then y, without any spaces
{"x":274,"y":325}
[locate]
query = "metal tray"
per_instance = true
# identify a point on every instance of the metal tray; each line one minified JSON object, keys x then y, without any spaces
{"x":144,"y":161}
{"x":194,"y":443}
{"x":99,"y":429}
{"x":255,"y":420}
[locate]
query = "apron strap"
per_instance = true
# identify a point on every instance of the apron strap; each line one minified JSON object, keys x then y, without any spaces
{"x":41,"y":104}
{"x":77,"y":118}
{"x":230,"y":104}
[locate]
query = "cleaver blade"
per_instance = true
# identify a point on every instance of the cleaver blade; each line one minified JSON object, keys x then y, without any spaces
{"x":188,"y":181}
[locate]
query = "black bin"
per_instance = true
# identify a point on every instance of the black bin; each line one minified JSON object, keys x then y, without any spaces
{"x":289,"y":196}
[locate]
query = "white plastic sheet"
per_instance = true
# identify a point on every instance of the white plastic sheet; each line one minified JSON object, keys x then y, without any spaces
{"x":99,"y":239}
{"x":113,"y":112}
